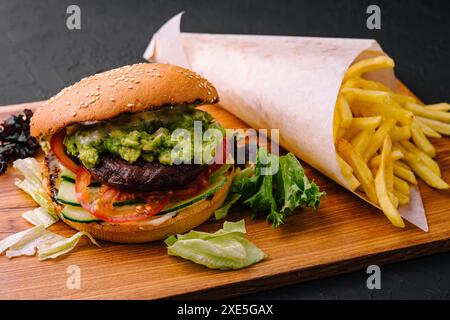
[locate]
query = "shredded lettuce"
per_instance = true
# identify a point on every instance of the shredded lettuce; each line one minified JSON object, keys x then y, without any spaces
{"x":33,"y":185}
{"x":225,"y":249}
{"x":39,"y":217}
{"x":52,"y":250}
{"x":49,"y":245}
{"x":274,"y":187}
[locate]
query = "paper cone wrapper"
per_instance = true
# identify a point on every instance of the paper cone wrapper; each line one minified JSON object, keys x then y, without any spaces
{"x":279,"y":82}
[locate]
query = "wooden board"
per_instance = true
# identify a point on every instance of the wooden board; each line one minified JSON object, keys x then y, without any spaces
{"x":346,"y":234}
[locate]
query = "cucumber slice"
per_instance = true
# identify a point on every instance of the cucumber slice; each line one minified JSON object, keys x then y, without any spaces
{"x":176,"y":206}
{"x":78,"y":214}
{"x":67,"y":194}
{"x":67,"y":175}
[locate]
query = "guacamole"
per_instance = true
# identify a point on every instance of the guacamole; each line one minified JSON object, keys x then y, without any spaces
{"x":151,"y":136}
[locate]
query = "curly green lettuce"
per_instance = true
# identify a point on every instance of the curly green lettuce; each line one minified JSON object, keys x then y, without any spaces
{"x":274,"y":187}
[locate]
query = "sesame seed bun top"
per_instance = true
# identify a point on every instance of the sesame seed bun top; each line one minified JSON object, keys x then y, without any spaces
{"x":129,"y":89}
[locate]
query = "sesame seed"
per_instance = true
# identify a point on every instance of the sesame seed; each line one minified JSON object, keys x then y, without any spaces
{"x":130,"y":105}
{"x":112,"y":99}
{"x":68,"y":103}
{"x":53,"y":109}
{"x":74,"y":114}
{"x":130,"y":87}
{"x":136,"y":81}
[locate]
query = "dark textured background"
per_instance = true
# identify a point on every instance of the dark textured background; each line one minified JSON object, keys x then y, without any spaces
{"x":39,"y":56}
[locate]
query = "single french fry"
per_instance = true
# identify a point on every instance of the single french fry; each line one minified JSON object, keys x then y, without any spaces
{"x":383,"y":194}
{"x":401,"y":170}
{"x":422,"y":156}
{"x":393,"y":198}
{"x":369,"y":65}
{"x":336,"y":124}
{"x":366,"y":96}
{"x":345,"y":113}
{"x":390,"y":110}
{"x":375,"y":161}
{"x":383,"y":130}
{"x":427,"y":175}
{"x":366,"y":123}
{"x":360,"y":168}
{"x":345,"y":167}
{"x":362,"y":140}
{"x":443,"y":106}
{"x":401,"y":98}
{"x":353,"y":183}
{"x":358,"y":82}
{"x":402,"y":198}
{"x":427,"y":113}
{"x":389,"y":172}
{"x":421,"y":141}
{"x":439,"y":126}
{"x":401,"y":185}
{"x":427,"y":131}
{"x":400,"y":133}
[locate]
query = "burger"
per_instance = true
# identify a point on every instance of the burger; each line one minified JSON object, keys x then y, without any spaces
{"x":122,"y":156}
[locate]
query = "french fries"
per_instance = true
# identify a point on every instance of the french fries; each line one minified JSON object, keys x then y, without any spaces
{"x":369,"y":65}
{"x":382,"y":138}
{"x":428,"y":113}
{"x":360,"y":168}
{"x":382,"y":189}
{"x":421,"y":141}
{"x":438,"y":106}
{"x":345,"y":114}
{"x":361,"y":140}
{"x":378,"y":138}
{"x":441,"y":127}
{"x":401,"y":133}
{"x":366,"y":123}
{"x":427,"y":130}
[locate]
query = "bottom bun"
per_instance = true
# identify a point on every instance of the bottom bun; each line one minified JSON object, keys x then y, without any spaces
{"x":144,"y":231}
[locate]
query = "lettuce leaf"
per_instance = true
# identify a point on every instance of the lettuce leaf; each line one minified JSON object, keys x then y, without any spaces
{"x":39,"y":217}
{"x":49,"y":245}
{"x":52,"y":250}
{"x":33,"y":184}
{"x":223,"y":210}
{"x":275,"y":187}
{"x":228,"y":248}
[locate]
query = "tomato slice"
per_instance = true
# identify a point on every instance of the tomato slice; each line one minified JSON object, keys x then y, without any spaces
{"x":82,"y":182}
{"x":57,"y":145}
{"x":105,"y":210}
{"x":103,"y":206}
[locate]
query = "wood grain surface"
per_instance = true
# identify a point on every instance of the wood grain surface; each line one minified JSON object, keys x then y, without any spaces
{"x":344,"y":235}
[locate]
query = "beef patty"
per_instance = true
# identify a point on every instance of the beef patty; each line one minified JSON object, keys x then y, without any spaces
{"x":143,"y":175}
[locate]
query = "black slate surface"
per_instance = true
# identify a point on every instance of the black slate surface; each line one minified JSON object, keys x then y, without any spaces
{"x":39,"y":56}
